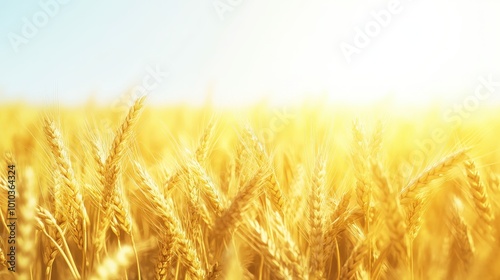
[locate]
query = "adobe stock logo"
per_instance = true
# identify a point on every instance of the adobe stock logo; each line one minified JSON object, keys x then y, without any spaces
{"x":48,"y":9}
{"x":225,"y":6}
{"x":471,"y":103}
{"x":363,"y":37}
{"x":454,"y":117}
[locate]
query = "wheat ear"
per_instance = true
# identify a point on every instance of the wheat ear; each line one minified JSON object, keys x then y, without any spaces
{"x":263,"y":243}
{"x":429,"y":174}
{"x":40,"y":224}
{"x":113,"y":209}
{"x":289,"y":248}
{"x":480,"y":198}
{"x":202,"y":150}
{"x":165,"y":255}
{"x":272,"y":186}
{"x":230,"y":219}
{"x":463,"y":239}
{"x":215,"y":272}
{"x":359,"y":155}
{"x":187,"y":254}
{"x":393,"y":212}
{"x":337,"y":223}
{"x":212,"y":194}
{"x":196,"y":205}
{"x":77,"y":212}
{"x":350,"y":267}
{"x":316,"y":221}
{"x":414,"y":215}
{"x":57,"y":242}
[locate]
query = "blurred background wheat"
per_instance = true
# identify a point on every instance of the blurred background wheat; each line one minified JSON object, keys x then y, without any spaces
{"x":199,"y":193}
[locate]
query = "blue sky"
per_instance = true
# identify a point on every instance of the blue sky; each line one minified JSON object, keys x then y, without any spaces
{"x":278,"y":49}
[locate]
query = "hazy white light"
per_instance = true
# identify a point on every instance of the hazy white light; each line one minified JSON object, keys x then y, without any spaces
{"x":280,"y":50}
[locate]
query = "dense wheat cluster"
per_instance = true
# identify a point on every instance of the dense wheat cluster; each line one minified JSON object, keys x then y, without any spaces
{"x":306,"y":192}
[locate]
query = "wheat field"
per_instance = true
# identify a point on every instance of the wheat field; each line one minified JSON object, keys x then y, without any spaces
{"x":180,"y":192}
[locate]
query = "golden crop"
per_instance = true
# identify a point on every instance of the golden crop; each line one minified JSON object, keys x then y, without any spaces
{"x":317,"y":192}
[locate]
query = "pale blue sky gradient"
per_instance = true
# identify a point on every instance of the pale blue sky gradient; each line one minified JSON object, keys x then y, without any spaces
{"x":279,"y":49}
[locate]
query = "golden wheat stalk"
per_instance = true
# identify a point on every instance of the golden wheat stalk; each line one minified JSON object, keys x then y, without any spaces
{"x":40,"y":225}
{"x":114,"y":210}
{"x":215,"y":272}
{"x":228,"y":222}
{"x":359,"y":155}
{"x":289,"y":247}
{"x":393,"y":212}
{"x":316,"y":221}
{"x":480,"y":199}
{"x":57,"y":242}
{"x":465,"y":245}
{"x":429,"y":174}
{"x":211,"y":192}
{"x":337,"y":223}
{"x":203,"y":147}
{"x":350,"y":267}
{"x":414,"y":215}
{"x":198,"y":207}
{"x":262,"y":243}
{"x":165,"y":256}
{"x":272,"y":186}
{"x":165,"y":210}
{"x":76,"y":211}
